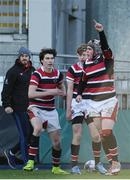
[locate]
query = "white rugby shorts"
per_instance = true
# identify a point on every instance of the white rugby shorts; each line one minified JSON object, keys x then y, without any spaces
{"x":78,"y":109}
{"x":51,"y":118}
{"x":107,"y":108}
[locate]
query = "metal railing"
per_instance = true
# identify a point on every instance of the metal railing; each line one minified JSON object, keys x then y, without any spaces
{"x":13,"y":16}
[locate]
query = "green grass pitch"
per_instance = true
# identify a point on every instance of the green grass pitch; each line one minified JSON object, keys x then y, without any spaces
{"x":46,"y":174}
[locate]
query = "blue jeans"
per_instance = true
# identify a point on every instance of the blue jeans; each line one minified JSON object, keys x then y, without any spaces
{"x":24,"y":130}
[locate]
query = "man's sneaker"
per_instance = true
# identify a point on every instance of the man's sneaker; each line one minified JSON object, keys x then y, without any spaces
{"x":58,"y":170}
{"x":29,"y":166}
{"x":75,"y":170}
{"x":10,"y":159}
{"x":114,"y":169}
{"x":100,"y":168}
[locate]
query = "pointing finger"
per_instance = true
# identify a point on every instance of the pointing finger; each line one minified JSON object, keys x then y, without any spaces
{"x":94,"y":21}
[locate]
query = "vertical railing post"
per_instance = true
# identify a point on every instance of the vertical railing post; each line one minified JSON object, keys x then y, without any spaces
{"x":20,"y":16}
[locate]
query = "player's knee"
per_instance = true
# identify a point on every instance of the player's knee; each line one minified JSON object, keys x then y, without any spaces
{"x":37,"y":129}
{"x":77,"y":137}
{"x":57,"y":146}
{"x":106,"y":132}
{"x":56,"y":143}
{"x":96,"y":138}
{"x":77,"y":132}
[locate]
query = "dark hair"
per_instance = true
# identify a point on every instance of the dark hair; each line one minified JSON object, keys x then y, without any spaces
{"x":47,"y":51}
{"x":81,"y":48}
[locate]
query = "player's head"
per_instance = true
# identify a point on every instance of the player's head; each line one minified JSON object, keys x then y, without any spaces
{"x":81,"y":52}
{"x":47,"y":53}
{"x":47,"y":56}
{"x":24,"y":56}
{"x":81,"y":49}
{"x":94,"y":47}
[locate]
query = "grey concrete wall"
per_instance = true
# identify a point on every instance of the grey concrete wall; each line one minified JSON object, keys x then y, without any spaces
{"x":119,"y":28}
{"x":70,"y":25}
{"x":115,"y":16}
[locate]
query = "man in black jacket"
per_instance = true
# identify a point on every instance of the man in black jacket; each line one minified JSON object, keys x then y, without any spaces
{"x":15,"y":100}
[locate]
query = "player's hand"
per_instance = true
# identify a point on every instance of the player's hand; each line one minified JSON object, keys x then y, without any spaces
{"x":98,"y":26}
{"x":64,"y":94}
{"x":57,"y":92}
{"x":79,"y":98}
{"x":8,"y":110}
{"x":61,"y":92}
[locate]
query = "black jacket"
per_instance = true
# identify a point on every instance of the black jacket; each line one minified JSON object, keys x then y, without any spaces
{"x":15,"y":88}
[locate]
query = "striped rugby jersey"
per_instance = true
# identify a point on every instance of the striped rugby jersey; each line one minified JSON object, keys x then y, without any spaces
{"x":74,"y":74}
{"x":99,"y":77}
{"x":43,"y":81}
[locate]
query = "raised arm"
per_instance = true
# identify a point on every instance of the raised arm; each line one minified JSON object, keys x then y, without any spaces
{"x":103,"y":40}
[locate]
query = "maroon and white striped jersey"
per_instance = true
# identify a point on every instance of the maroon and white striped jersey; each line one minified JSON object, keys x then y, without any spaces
{"x":74,"y":74}
{"x":99,"y":77}
{"x":44,"y":81}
